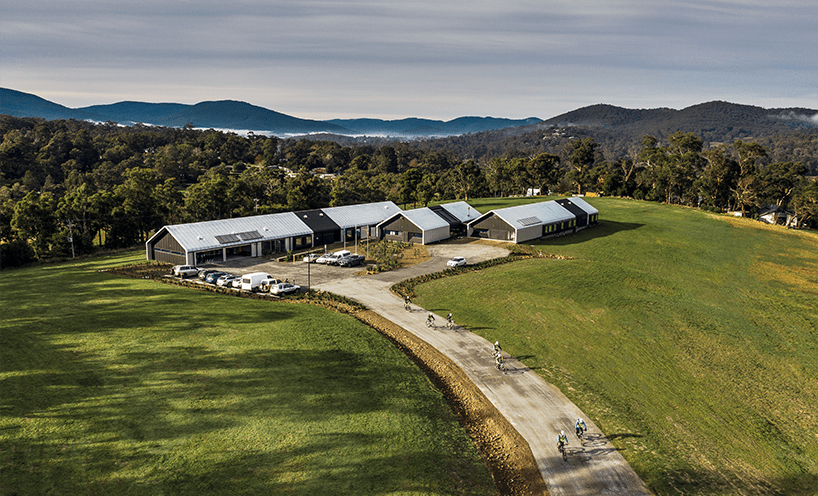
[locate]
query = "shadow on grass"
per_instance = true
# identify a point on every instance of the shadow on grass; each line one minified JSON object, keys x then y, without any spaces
{"x":603,"y":229}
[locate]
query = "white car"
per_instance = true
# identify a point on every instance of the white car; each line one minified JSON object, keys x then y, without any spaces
{"x":311,"y":258}
{"x":227,"y":280}
{"x":456,"y":262}
{"x":284,"y":288}
{"x":185,"y":271}
{"x":326,"y":257}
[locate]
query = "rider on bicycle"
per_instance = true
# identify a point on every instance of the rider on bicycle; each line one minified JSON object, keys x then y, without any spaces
{"x":497,"y":349}
{"x":406,"y":300}
{"x":580,"y":427}
{"x":500,"y":365}
{"x":562,"y":440}
{"x":449,"y":319}
{"x":430,"y":319}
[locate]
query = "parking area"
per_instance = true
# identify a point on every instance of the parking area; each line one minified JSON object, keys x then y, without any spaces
{"x":316,"y":275}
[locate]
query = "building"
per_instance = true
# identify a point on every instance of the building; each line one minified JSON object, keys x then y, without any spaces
{"x":218,"y":240}
{"x":428,"y":224}
{"x":523,"y":223}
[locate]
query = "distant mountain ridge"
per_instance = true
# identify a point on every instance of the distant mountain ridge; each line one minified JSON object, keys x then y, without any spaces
{"x":242,"y":116}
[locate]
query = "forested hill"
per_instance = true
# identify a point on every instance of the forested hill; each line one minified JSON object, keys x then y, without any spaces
{"x":788,"y":134}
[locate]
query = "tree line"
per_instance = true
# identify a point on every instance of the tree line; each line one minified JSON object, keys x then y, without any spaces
{"x":71,"y":185}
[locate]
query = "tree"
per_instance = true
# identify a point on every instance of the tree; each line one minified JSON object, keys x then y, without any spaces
{"x":718,"y":178}
{"x":34,"y":221}
{"x":138,"y":202}
{"x":466,"y":178}
{"x":409,"y":185}
{"x":544,"y":170}
{"x":581,"y":159}
{"x":779,"y":180}
{"x":805,"y":203}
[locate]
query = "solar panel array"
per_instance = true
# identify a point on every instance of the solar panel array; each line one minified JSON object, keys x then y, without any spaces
{"x":236,"y":237}
{"x":530,"y":221}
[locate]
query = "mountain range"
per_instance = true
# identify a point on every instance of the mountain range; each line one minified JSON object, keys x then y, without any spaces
{"x":242,"y":116}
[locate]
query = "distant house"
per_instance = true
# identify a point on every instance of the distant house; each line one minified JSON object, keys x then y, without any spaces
{"x":778,"y":216}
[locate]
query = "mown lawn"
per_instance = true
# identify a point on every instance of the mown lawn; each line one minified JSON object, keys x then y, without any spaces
{"x":111,"y":385}
{"x":690,"y":339}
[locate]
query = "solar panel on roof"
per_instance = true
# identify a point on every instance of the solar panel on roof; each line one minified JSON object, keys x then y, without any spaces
{"x":249,"y":235}
{"x":227,"y":238}
{"x":530,"y":221}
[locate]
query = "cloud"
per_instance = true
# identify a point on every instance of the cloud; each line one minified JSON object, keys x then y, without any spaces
{"x":517,"y":58}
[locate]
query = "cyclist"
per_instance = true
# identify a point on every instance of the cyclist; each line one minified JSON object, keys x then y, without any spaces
{"x":449,"y":321}
{"x":580,"y":427}
{"x":497,"y":350}
{"x":430,"y":320}
{"x":406,"y":302}
{"x":500,"y":363}
{"x":562,"y":440}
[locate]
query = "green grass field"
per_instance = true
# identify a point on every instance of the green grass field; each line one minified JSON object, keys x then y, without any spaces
{"x":112,"y":385}
{"x":690,"y":339}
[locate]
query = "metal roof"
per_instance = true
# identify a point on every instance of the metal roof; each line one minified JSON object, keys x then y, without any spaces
{"x":368,"y":214}
{"x":462,"y":210}
{"x":208,"y":235}
{"x":584,"y":205}
{"x":424,"y":218}
{"x":317,"y":220}
{"x":532,"y":214}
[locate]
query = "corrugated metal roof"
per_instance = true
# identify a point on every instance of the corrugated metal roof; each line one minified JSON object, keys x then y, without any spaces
{"x":462,"y":210}
{"x":201,"y":236}
{"x":369,"y":214}
{"x":546,"y":212}
{"x":584,"y":205}
{"x":425,"y":218}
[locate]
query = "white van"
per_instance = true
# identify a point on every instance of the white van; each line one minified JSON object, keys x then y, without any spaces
{"x":250,"y":282}
{"x":338,"y":256}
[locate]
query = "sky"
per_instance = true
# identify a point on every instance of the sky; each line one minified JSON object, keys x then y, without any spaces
{"x":436,"y":59}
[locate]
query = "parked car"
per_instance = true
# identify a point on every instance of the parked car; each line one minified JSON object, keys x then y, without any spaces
{"x":311,"y":258}
{"x":266,"y":284}
{"x":227,"y":280}
{"x":456,"y":262}
{"x":352,"y":260}
{"x":324,"y":258}
{"x":284,"y":288}
{"x":237,"y":283}
{"x":213,"y":277}
{"x":204,"y":272}
{"x":185,"y":271}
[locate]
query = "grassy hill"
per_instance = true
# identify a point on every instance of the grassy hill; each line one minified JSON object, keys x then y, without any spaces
{"x":112,"y":385}
{"x":691,"y":339}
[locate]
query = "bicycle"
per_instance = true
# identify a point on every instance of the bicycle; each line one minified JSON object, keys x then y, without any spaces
{"x":430,"y":322}
{"x":581,"y":437}
{"x":564,"y":453}
{"x":449,"y":323}
{"x":407,"y":306}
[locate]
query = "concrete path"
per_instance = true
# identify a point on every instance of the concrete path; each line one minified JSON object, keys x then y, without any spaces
{"x":534,"y":407}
